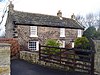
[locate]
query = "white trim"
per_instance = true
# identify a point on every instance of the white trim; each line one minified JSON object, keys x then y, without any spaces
{"x":33,"y":36}
{"x":63,"y":44}
{"x":79,"y":33}
{"x":62,"y":32}
{"x":72,"y":44}
{"x":33,"y":31}
{"x":37,"y":45}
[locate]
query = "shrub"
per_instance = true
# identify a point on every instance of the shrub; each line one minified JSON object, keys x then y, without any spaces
{"x":82,"y":43}
{"x":90,"y":32}
{"x":53,"y":43}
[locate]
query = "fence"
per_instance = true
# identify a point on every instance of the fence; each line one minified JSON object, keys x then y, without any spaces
{"x":73,"y":59}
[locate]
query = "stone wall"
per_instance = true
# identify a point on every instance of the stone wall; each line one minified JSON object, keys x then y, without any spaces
{"x":97,"y":55}
{"x":29,"y":56}
{"x":4,"y":59}
{"x":33,"y":57}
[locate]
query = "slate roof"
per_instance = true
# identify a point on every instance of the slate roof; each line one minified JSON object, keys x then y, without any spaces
{"x":24,"y":18}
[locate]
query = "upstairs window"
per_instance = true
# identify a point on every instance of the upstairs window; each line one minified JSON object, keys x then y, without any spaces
{"x":33,"y":31}
{"x":62,"y":32}
{"x":79,"y":33}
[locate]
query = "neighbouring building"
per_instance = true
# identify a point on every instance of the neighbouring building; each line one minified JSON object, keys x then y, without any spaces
{"x":32,"y":29}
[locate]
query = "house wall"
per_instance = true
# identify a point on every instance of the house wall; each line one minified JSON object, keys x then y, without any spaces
{"x":9,"y":26}
{"x":43,"y":33}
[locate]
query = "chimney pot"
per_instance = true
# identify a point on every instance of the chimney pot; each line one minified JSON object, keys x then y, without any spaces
{"x":73,"y":17}
{"x":11,"y":6}
{"x":59,"y":14}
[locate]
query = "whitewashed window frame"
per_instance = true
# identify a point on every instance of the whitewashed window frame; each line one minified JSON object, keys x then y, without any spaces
{"x":72,"y":44}
{"x":62,"y":32}
{"x":79,"y":33}
{"x":33,"y":31}
{"x":62,"y":44}
{"x":32,"y":47}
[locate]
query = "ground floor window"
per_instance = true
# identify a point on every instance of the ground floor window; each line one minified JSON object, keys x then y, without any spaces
{"x":62,"y":44}
{"x":33,"y":45}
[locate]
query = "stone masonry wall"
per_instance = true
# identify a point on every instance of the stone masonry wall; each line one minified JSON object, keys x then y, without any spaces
{"x":33,"y":57}
{"x":4,"y":59}
{"x":43,"y":33}
{"x":97,"y":55}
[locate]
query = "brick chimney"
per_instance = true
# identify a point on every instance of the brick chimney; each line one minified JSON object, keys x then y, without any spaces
{"x":59,"y":14}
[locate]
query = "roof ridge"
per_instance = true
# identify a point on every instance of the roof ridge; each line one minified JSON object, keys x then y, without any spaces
{"x":44,"y":20}
{"x":39,"y":14}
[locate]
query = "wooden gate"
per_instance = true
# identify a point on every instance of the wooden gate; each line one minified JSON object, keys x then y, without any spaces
{"x":75,"y":59}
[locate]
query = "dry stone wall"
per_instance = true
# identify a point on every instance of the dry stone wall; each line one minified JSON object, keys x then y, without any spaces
{"x":97,"y":55}
{"x":33,"y":57}
{"x":4,"y":59}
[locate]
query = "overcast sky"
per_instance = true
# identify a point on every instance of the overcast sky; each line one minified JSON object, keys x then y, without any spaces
{"x":50,"y":7}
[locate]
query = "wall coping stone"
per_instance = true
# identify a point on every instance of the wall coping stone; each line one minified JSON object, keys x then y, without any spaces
{"x":4,"y":44}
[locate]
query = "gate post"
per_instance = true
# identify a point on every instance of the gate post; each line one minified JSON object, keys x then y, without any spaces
{"x":92,"y":63}
{"x":4,"y":59}
{"x":39,"y":52}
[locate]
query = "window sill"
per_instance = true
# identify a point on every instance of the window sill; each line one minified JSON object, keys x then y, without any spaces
{"x":33,"y":36}
{"x":33,"y":50}
{"x":62,"y":36}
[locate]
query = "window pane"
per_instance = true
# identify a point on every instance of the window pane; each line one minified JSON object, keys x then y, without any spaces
{"x":62,"y":32}
{"x":79,"y":33}
{"x":33,"y":30}
{"x":33,"y":45}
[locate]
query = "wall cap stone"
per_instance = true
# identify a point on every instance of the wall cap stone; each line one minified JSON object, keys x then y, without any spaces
{"x":4,"y":44}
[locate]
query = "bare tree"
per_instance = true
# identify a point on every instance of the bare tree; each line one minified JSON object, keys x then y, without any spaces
{"x":98,"y":21}
{"x":88,"y":20}
{"x":81,"y":20}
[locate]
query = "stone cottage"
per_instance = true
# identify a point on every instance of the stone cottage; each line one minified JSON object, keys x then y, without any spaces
{"x":32,"y":29}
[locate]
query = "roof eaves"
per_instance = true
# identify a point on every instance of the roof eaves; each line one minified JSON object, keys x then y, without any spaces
{"x":25,"y":24}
